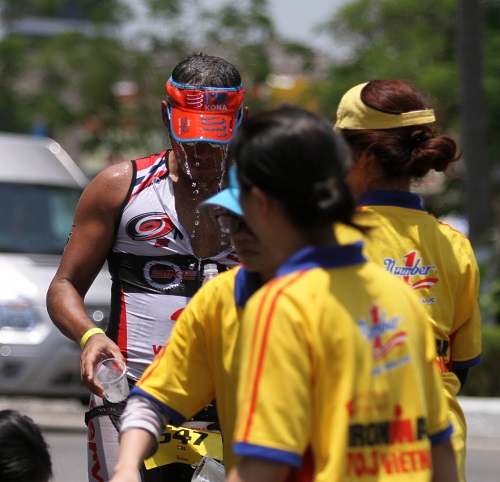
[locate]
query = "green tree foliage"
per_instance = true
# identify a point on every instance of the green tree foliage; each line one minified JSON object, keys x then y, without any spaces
{"x":59,"y":80}
{"x":11,"y":99}
{"x":410,"y":39}
{"x":232,"y":24}
{"x":484,"y":380}
{"x":90,"y":82}
{"x":416,"y":40}
{"x":242,"y":32}
{"x":93,"y":10}
{"x":491,"y":38}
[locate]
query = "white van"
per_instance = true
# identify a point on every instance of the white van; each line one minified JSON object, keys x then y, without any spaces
{"x":39,"y":188}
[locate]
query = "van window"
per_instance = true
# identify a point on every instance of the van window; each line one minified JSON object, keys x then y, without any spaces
{"x":35,"y":219}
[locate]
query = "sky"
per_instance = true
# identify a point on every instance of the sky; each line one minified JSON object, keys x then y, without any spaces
{"x":295,"y":19}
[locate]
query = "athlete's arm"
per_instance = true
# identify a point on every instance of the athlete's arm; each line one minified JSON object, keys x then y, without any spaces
{"x":142,"y":423}
{"x":91,"y":240}
{"x":258,"y":470}
{"x":444,"y":463}
{"x":135,"y":445}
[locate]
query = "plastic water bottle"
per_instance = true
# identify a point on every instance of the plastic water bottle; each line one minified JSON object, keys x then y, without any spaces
{"x":209,"y":271}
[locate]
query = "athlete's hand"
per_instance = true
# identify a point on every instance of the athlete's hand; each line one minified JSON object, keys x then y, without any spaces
{"x":97,"y":348}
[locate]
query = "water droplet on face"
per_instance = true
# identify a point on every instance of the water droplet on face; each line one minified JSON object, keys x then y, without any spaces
{"x":193,"y":184}
{"x":196,"y":223}
{"x":224,"y":149}
{"x":192,"y":235}
{"x":184,"y":160}
{"x":197,"y":164}
{"x":196,"y":191}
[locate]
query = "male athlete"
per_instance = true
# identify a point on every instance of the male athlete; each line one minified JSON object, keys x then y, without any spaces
{"x":142,"y":218}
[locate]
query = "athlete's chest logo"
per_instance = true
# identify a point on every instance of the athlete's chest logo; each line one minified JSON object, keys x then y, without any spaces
{"x":412,"y":267}
{"x":164,"y":275}
{"x":147,"y":226}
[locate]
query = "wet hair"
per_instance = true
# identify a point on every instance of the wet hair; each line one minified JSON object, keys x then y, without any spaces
{"x":24,"y":454}
{"x":206,"y":71}
{"x":405,"y":152}
{"x":294,"y":156}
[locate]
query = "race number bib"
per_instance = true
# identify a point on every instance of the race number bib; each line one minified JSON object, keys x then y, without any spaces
{"x":185,"y":445}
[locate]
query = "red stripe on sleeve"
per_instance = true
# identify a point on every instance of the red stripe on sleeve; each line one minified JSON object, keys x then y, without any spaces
{"x":122,"y":331}
{"x":263,"y":345}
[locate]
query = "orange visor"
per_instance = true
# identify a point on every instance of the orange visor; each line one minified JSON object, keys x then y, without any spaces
{"x":204,"y":114}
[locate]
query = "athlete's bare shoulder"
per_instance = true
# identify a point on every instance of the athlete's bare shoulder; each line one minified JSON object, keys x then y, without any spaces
{"x":115,"y":177}
{"x":110,"y":186}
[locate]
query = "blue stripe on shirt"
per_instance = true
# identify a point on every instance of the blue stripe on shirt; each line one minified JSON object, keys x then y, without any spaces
{"x":443,"y":436}
{"x":174,"y":417}
{"x":468,"y":363}
{"x":259,"y":452}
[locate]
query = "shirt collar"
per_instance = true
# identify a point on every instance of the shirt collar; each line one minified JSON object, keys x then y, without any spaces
{"x":246,"y":284}
{"x":401,"y":199}
{"x":323,"y":257}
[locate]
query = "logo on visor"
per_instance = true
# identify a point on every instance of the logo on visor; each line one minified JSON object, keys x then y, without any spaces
{"x":216,"y":124}
{"x":184,"y":125}
{"x":194,"y":100}
{"x":216,"y":101}
{"x":211,"y":101}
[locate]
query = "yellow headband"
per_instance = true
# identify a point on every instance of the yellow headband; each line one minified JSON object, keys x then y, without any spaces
{"x":353,"y":113}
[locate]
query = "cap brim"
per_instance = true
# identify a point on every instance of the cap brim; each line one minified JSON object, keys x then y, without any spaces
{"x":228,"y":199}
{"x":354,"y":114}
{"x":204,"y":114}
{"x":194,"y":127}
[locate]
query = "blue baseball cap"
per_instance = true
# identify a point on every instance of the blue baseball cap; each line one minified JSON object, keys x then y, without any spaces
{"x":228,"y":198}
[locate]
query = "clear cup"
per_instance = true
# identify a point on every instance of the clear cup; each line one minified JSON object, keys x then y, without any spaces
{"x":209,"y":470}
{"x":112,"y":375}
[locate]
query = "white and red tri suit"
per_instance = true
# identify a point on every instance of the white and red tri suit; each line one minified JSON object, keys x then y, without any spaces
{"x":152,"y":266}
{"x":154,"y":273}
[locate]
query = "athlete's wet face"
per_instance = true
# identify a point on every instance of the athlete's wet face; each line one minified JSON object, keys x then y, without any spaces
{"x":201,"y":161}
